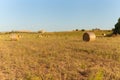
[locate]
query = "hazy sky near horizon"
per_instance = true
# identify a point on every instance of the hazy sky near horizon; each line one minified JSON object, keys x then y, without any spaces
{"x":58,"y":15}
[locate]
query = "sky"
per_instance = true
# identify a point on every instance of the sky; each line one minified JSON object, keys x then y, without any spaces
{"x":58,"y":15}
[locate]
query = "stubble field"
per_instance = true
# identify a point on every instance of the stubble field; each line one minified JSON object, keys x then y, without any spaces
{"x":59,"y":56}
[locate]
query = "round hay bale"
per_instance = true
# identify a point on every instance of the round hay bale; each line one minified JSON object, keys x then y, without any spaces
{"x":41,"y":31}
{"x":103,"y":34}
{"x":89,"y":36}
{"x":14,"y":37}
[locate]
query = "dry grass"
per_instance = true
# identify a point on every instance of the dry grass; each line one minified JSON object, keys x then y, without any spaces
{"x":61,"y":56}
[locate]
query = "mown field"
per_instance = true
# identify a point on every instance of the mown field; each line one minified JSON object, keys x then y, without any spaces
{"x":59,"y":56}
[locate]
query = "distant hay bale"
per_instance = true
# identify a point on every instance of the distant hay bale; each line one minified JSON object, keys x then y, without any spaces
{"x":20,"y":36}
{"x":14,"y":37}
{"x":89,"y":36}
{"x":103,"y":34}
{"x":41,"y":31}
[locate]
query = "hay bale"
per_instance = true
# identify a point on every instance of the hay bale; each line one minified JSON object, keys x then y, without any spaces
{"x":41,"y":31}
{"x":103,"y":34}
{"x":14,"y":37}
{"x":89,"y":36}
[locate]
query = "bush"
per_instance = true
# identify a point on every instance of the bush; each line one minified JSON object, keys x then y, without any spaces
{"x":116,"y":30}
{"x":82,"y":29}
{"x":77,"y":30}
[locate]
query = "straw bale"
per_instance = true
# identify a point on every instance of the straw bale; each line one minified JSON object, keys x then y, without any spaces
{"x":14,"y":37}
{"x":89,"y":36}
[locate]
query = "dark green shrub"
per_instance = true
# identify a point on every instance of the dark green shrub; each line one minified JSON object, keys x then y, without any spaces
{"x":116,"y":30}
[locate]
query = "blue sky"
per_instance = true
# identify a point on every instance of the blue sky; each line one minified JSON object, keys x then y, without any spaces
{"x":58,"y":15}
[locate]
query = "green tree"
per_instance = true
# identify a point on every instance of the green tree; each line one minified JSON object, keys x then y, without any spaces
{"x":117,"y":27}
